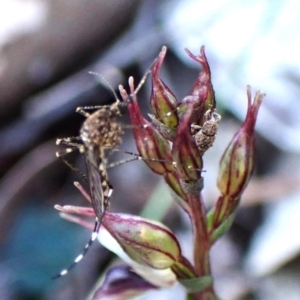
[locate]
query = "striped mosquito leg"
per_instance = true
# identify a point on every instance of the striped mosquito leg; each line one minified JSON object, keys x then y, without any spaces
{"x":139,"y":157}
{"x":73,"y":143}
{"x":61,"y":153}
{"x":136,"y":157}
{"x":92,"y":238}
{"x":70,"y":141}
{"x":79,"y":109}
{"x":124,"y":161}
{"x":85,"y":249}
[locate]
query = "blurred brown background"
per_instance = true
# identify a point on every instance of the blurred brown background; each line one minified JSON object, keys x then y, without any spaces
{"x":47,"y":49}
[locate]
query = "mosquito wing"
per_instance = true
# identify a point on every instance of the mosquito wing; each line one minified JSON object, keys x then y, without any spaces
{"x":93,"y":161}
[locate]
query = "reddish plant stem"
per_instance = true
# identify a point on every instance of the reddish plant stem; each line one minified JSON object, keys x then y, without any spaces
{"x":201,"y":244}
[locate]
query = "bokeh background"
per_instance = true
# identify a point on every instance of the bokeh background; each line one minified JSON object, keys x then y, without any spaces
{"x":47,"y":49}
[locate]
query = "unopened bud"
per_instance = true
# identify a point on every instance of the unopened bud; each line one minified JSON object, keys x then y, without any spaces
{"x":146,"y":242}
{"x":120,"y":283}
{"x":236,"y":165}
{"x":163,"y":102}
{"x":203,"y":88}
{"x":150,"y":144}
{"x":185,"y":152}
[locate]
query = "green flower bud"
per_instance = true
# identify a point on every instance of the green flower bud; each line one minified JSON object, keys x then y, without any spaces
{"x":163,"y":102}
{"x":146,"y":242}
{"x":236,"y":165}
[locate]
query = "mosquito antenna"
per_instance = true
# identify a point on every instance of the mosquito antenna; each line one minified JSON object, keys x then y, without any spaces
{"x":141,"y":82}
{"x":107,"y":84}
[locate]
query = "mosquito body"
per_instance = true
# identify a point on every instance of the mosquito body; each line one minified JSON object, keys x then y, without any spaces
{"x":100,"y":133}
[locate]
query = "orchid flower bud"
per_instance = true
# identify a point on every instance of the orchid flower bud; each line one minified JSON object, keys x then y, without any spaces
{"x":236,"y":165}
{"x":121,"y":282}
{"x":203,"y":90}
{"x":185,"y":152}
{"x":150,"y":144}
{"x":163,"y":102}
{"x":146,"y":242}
{"x":115,"y":241}
{"x":195,"y":103}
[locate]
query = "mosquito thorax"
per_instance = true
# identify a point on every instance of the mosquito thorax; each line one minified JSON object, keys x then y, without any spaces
{"x":102,"y":129}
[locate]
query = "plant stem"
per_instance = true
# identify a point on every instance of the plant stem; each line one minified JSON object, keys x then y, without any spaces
{"x":201,"y":244}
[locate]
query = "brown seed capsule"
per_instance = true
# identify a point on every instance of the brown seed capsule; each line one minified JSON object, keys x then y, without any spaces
{"x":206,"y":134}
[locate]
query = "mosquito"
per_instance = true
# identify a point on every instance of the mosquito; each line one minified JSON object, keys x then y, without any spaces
{"x":100,"y":133}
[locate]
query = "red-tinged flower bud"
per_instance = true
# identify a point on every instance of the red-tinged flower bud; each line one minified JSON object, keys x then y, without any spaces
{"x":185,"y":152}
{"x":203,"y":89}
{"x":167,"y":132}
{"x":150,"y":144}
{"x":121,"y":282}
{"x":195,"y":104}
{"x":146,"y":242}
{"x":163,"y":102}
{"x":236,"y":165}
{"x":158,"y":277}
